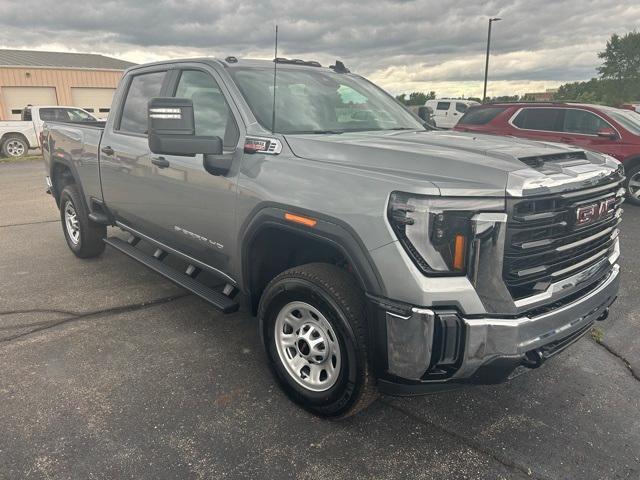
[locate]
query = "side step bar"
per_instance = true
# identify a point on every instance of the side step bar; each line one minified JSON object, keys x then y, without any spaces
{"x":217,"y":299}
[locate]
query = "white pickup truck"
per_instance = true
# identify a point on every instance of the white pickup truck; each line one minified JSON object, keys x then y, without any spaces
{"x":17,"y":137}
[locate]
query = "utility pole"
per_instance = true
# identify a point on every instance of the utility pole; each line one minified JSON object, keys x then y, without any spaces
{"x":486,"y":65}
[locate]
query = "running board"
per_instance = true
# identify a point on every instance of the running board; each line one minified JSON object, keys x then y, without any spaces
{"x":217,"y":299}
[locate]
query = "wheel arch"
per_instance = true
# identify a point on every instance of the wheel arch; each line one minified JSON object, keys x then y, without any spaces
{"x":267,"y":227}
{"x":15,"y":134}
{"x":631,"y":163}
{"x":63,"y":173}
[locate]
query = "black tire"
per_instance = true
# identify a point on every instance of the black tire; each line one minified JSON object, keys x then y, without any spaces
{"x":86,"y":241}
{"x":14,"y":146}
{"x":633,"y":174}
{"x":335,"y":294}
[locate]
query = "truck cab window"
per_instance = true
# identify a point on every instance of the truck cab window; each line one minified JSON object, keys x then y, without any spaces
{"x":77,"y":115}
{"x":210,"y":109}
{"x":134,"y":112}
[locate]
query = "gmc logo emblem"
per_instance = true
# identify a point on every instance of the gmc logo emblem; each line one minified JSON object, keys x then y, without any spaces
{"x":592,"y":213}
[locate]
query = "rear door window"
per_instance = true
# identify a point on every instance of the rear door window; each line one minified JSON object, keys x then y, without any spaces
{"x":142,"y":88}
{"x":443,"y":106}
{"x":480,"y":115}
{"x":545,"y":119}
{"x":583,"y":122}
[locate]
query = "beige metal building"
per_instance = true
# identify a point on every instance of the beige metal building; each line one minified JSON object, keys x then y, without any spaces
{"x":55,"y":78}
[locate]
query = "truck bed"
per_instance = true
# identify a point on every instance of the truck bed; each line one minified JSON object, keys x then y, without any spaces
{"x":78,"y":146}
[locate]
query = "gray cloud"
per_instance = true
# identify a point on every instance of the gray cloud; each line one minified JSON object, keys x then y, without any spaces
{"x":413,"y":41}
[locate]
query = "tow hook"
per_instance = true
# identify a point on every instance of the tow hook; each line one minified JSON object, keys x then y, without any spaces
{"x":533,"y":359}
{"x":603,"y":316}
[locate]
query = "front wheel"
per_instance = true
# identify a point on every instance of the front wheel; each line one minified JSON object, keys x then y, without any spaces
{"x":633,"y":185}
{"x":314,"y":329}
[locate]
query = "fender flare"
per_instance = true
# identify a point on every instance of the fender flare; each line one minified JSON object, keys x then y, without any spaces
{"x":329,"y":230}
{"x":59,"y":159}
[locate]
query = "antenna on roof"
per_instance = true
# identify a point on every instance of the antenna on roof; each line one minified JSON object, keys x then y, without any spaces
{"x":275,"y":71}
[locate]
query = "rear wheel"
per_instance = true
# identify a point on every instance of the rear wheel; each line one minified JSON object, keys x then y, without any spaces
{"x":14,"y":146}
{"x":633,"y":185}
{"x":83,"y":236}
{"x":314,"y":330}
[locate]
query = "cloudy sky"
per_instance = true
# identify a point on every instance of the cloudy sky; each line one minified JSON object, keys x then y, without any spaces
{"x":403,"y":45}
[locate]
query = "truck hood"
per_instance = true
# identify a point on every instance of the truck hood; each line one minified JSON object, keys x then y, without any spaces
{"x":456,"y":163}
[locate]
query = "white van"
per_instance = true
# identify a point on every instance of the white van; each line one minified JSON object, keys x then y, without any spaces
{"x":447,"y":111}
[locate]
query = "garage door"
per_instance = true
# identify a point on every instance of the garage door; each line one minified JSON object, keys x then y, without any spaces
{"x":16,"y":98}
{"x":94,"y":100}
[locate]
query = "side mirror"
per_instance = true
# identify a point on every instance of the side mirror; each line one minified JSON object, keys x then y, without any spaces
{"x":172,"y":129}
{"x":423,"y":113}
{"x":609,"y":133}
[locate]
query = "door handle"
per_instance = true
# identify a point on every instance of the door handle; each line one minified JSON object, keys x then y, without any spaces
{"x":107,"y":150}
{"x":160,"y":162}
{"x":567,"y":139}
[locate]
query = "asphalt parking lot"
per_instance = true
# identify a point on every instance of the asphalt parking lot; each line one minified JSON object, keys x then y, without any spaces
{"x":107,"y":370}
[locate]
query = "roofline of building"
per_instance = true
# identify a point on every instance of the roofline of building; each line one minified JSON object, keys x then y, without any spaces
{"x":52,"y":67}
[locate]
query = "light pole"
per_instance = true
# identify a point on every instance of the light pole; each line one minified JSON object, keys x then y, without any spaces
{"x":486,"y":65}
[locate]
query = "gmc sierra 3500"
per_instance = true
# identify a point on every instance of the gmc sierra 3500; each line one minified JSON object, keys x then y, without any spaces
{"x":376,"y":254}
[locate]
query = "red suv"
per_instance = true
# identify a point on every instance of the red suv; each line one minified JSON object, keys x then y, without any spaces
{"x":613,"y":131}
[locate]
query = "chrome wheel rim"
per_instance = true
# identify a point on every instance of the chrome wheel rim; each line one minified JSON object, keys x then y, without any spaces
{"x":307,"y":346}
{"x":634,"y":186}
{"x":71,"y":222}
{"x":15,"y":148}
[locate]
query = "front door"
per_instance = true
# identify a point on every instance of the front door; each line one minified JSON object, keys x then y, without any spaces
{"x":197,"y":213}
{"x":581,"y":128}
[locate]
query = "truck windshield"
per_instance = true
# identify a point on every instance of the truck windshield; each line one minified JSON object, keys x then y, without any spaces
{"x":320,"y":101}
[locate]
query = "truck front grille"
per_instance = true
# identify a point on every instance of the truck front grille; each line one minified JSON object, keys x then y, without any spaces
{"x":550,"y":238}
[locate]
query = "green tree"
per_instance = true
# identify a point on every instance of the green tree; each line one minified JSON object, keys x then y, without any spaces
{"x":402,"y":98}
{"x":621,"y":67}
{"x":416,"y":98}
{"x":619,"y":80}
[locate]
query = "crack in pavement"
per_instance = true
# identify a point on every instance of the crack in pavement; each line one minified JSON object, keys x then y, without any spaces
{"x":506,"y":462}
{"x":38,"y":310}
{"x":620,"y":357}
{"x":74,"y":317}
{"x":28,"y":223}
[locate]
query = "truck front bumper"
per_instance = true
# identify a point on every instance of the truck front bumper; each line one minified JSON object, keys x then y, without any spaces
{"x":431,"y":350}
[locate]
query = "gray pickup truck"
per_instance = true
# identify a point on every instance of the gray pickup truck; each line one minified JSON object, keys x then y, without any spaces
{"x":377,"y":254}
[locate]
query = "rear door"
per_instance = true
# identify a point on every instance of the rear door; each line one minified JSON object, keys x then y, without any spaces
{"x":127,"y":174}
{"x":441,"y":114}
{"x":539,"y":123}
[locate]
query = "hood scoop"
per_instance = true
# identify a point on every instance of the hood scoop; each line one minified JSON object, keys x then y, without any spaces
{"x":564,"y":159}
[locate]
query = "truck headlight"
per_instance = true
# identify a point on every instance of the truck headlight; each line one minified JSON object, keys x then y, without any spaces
{"x":437,"y":232}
